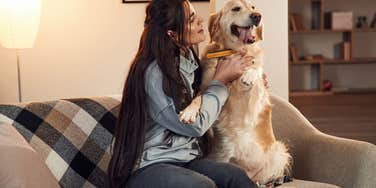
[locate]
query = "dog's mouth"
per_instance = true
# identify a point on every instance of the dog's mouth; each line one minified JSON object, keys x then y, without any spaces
{"x":244,"y":33}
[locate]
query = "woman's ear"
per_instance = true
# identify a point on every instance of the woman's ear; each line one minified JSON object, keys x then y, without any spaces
{"x":171,"y":34}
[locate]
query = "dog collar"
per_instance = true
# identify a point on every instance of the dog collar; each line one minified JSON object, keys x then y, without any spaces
{"x":218,"y":54}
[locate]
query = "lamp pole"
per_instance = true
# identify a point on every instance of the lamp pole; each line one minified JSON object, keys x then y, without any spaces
{"x":19,"y":77}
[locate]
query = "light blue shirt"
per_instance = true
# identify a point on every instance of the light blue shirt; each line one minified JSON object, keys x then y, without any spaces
{"x":168,"y":139}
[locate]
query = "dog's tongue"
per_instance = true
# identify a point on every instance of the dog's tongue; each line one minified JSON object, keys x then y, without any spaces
{"x":245,"y":35}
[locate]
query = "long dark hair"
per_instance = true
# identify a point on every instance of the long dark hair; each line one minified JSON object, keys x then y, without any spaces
{"x":155,"y":44}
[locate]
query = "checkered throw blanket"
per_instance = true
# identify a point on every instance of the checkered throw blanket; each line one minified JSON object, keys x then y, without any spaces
{"x":72,"y":135}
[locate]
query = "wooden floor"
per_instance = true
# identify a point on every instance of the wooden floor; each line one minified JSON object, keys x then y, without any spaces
{"x":349,"y":116}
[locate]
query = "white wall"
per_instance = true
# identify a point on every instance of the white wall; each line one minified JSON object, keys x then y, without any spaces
{"x":275,"y":43}
{"x":8,"y":76}
{"x":84,"y":48}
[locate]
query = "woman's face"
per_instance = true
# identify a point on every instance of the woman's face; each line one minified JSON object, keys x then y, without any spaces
{"x":195,"y":29}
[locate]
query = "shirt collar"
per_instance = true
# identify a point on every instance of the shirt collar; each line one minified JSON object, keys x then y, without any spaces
{"x":188,"y":65}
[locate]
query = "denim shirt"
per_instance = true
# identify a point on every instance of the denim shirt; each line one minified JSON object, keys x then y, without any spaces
{"x":168,"y":139}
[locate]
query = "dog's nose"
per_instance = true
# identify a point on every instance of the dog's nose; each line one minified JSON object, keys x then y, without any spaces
{"x":256,"y":18}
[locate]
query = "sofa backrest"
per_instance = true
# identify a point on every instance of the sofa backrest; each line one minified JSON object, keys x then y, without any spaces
{"x":73,"y":136}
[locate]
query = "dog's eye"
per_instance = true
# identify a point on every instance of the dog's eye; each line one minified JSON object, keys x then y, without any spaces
{"x":236,"y":9}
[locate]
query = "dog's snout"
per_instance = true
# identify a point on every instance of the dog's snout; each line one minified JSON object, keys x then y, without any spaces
{"x":256,"y":18}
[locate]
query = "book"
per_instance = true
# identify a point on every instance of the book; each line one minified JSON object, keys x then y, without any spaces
{"x":315,"y":14}
{"x":328,"y":20}
{"x":292,"y":23}
{"x":293,"y":53}
{"x":342,"y":50}
{"x":373,"y":23}
{"x":338,"y":51}
{"x":313,"y":57}
{"x":315,"y":77}
{"x":338,"y":20}
{"x":342,"y":20}
{"x":346,"y":51}
{"x":296,"y":22}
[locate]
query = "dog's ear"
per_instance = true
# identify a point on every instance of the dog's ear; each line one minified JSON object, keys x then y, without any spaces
{"x":214,"y":24}
{"x":260,"y":32}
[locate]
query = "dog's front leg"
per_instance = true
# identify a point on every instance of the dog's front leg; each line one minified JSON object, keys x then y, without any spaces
{"x":189,"y":114}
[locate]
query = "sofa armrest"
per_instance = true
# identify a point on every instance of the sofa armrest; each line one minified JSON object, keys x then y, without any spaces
{"x":343,"y":162}
{"x":20,"y":165}
{"x":321,"y":157}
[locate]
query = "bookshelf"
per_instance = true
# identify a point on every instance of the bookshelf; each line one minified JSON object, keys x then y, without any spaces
{"x":318,"y":24}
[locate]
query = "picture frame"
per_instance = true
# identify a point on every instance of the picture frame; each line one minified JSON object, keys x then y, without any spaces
{"x":145,"y":1}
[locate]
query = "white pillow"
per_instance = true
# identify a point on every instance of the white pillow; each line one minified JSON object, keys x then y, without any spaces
{"x":20,"y":165}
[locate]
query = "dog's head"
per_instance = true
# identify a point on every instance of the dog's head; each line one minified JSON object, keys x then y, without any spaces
{"x":237,"y":24}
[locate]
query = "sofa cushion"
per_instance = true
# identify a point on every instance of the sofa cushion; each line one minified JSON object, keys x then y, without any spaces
{"x":19,"y":162}
{"x":73,"y":136}
{"x":306,"y":184}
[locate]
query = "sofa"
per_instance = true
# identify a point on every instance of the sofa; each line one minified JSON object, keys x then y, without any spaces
{"x":67,"y":142}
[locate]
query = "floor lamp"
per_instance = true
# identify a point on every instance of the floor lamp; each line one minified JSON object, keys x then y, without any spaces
{"x":19,"y":23}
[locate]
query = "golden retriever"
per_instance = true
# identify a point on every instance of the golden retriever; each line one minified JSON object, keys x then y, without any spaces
{"x":243,"y":134}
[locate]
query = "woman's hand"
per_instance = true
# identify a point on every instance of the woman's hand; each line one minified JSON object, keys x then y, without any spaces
{"x":232,"y":68}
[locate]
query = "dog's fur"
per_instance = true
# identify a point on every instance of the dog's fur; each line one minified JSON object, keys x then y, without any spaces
{"x":243,"y":134}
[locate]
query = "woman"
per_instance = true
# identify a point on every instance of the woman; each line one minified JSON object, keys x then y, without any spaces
{"x":152,"y":147}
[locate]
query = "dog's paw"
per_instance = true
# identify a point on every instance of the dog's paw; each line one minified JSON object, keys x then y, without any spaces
{"x":249,"y":77}
{"x":189,"y":114}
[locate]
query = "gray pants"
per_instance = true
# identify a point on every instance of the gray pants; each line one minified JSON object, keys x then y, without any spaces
{"x":196,"y":174}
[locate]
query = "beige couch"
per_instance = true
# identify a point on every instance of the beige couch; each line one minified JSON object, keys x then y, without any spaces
{"x":33,"y":154}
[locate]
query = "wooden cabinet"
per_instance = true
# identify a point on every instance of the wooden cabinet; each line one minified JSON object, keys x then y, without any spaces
{"x":307,"y":20}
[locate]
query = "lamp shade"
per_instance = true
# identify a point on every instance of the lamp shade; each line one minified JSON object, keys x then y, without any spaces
{"x":19,"y":23}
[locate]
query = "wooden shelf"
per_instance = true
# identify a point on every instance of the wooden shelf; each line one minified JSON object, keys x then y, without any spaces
{"x":335,"y":91}
{"x":306,"y":62}
{"x":310,"y":31}
{"x":364,"y":30}
{"x":353,"y":90}
{"x":335,"y":61}
{"x":351,"y":61}
{"x":309,"y":93}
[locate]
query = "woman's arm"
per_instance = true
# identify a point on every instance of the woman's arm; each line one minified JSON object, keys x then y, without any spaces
{"x":163,"y":111}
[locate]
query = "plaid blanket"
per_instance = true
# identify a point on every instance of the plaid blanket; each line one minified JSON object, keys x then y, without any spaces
{"x":73,"y":136}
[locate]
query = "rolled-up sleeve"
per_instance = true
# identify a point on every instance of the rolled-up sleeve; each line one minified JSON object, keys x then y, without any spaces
{"x":162,"y":109}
